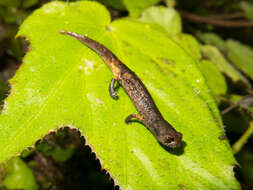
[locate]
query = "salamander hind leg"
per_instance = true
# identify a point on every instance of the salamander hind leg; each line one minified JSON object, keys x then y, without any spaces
{"x":112,"y":91}
{"x":136,"y":116}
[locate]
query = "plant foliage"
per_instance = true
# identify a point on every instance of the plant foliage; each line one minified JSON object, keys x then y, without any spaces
{"x":62,"y":82}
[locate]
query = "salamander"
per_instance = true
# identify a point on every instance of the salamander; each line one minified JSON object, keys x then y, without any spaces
{"x":149,"y":114}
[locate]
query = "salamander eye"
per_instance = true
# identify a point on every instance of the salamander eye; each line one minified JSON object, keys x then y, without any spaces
{"x":169,"y":140}
{"x":173,"y":141}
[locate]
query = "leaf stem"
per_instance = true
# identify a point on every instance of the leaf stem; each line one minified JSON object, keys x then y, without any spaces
{"x":243,"y":139}
{"x":217,"y":22}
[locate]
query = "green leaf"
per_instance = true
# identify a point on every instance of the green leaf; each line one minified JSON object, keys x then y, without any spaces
{"x":62,"y":155}
{"x":62,"y":82}
{"x":246,"y":157}
{"x":29,"y":3}
{"x":10,"y":3}
{"x":117,"y":4}
{"x":247,"y":8}
{"x":212,"y":39}
{"x":137,"y":6}
{"x":10,"y":14}
{"x":168,"y":18}
{"x":241,"y":55}
{"x":13,"y":15}
{"x":58,"y":153}
{"x":214,"y":77}
{"x":224,"y":66}
{"x":189,"y":44}
{"x":170,"y":3}
{"x":19,"y":176}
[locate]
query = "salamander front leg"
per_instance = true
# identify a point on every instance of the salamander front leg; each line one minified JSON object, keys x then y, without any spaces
{"x":112,"y":91}
{"x":136,"y":116}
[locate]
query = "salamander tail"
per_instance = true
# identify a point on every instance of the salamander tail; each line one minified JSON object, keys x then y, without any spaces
{"x":94,"y":45}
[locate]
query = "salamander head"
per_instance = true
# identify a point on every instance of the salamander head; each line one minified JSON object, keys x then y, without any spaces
{"x":167,"y":135}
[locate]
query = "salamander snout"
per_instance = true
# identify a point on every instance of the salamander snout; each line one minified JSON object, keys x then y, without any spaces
{"x":167,"y":135}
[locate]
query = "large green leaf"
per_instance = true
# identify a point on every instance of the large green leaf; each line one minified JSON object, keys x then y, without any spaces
{"x":137,"y":6}
{"x":189,"y":44}
{"x":62,"y":82}
{"x":214,"y":77}
{"x":224,"y":66}
{"x":165,"y":17}
{"x":214,"y":39}
{"x":241,"y":55}
{"x":169,"y":20}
